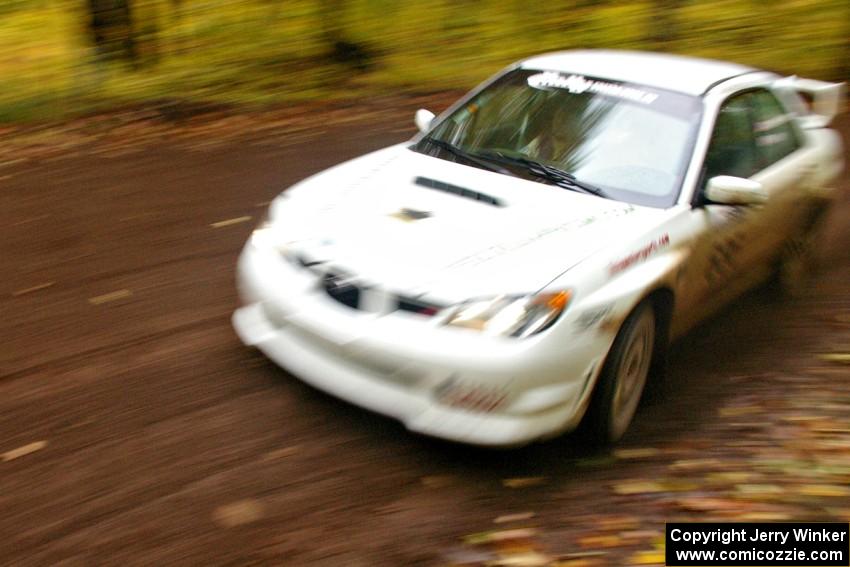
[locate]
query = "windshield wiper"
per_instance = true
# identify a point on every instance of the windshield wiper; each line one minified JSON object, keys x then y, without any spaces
{"x":487,"y":159}
{"x":480,"y":161}
{"x":557,"y":176}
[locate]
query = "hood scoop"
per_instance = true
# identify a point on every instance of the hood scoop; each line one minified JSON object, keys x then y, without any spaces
{"x":458,"y":190}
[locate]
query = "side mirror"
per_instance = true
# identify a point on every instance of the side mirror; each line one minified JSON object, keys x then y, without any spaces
{"x":728,"y":190}
{"x":423,"y":119}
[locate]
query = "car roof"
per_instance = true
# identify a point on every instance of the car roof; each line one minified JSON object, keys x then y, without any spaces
{"x":689,"y":75}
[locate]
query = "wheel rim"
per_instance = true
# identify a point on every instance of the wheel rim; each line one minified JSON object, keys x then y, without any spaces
{"x":632,"y":373}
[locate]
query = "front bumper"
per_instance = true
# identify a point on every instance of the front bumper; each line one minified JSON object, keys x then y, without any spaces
{"x":400,"y":366}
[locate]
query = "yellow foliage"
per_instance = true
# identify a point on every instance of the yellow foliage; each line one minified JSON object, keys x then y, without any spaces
{"x":264,"y":51}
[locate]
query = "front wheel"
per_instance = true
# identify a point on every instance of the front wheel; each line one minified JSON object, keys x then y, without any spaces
{"x":623,"y":377}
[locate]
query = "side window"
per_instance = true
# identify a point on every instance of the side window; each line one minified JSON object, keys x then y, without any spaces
{"x":774,"y":128}
{"x":732,"y":150}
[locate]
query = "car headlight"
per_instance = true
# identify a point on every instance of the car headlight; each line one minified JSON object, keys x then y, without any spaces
{"x":510,"y":315}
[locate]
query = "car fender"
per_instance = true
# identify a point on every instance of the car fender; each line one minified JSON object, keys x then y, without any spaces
{"x":621,"y":294}
{"x":605,"y":310}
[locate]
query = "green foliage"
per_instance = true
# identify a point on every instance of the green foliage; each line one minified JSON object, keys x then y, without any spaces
{"x":258,"y":52}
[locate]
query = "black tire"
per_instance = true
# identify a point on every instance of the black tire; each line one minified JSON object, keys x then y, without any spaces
{"x":623,"y":378}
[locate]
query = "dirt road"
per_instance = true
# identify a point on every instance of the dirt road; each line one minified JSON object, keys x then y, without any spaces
{"x":136,"y":429}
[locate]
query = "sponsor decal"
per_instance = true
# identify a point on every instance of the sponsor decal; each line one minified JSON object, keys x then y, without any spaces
{"x":473,"y":397}
{"x":722,"y":260}
{"x":566,"y":227}
{"x":640,"y":255}
{"x":592,"y":317}
{"x":411,"y":215}
{"x":725,"y":250}
{"x":578,"y":84}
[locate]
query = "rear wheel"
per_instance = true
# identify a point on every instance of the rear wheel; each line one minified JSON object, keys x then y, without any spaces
{"x":623,"y":378}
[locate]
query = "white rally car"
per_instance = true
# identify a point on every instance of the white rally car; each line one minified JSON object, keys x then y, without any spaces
{"x":524,"y":261}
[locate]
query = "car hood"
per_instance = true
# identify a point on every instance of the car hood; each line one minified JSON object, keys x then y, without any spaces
{"x":416,"y":224}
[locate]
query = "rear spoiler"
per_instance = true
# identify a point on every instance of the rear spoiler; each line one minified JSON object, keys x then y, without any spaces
{"x":826,"y":99}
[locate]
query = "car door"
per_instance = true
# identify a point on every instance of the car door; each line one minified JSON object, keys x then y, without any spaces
{"x":717,"y":256}
{"x":786,"y":167}
{"x":754,"y":137}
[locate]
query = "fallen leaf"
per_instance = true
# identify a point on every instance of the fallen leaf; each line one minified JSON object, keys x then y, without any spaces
{"x":238,"y":513}
{"x":518,"y":517}
{"x":523,"y":482}
{"x":840,"y":513}
{"x":514,"y":546}
{"x":281,"y":453}
{"x":731,"y":477}
{"x":24,"y":450}
{"x":697,"y":504}
{"x":499,"y":536}
{"x":694,"y":464}
{"x":760,"y":489}
{"x":638,"y":487}
{"x":680,"y":485}
{"x":641,"y":534}
{"x":468,"y":557}
{"x":27,"y":290}
{"x":736,"y":411}
{"x":839,"y":357}
{"x":654,"y":557}
{"x":801,"y":418}
{"x":582,"y":555}
{"x":600,"y":541}
{"x":112,"y":296}
{"x":827,"y":490}
{"x":617,"y":523}
{"x":642,"y":453}
{"x":579,"y":562}
{"x":230,"y":222}
{"x":527,"y":559}
{"x":838,"y":429}
{"x":648,"y":486}
{"x":765,"y":517}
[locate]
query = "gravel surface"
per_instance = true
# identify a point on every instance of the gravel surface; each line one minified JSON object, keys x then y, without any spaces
{"x":135,"y":429}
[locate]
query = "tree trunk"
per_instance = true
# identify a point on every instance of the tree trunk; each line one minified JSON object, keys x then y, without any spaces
{"x":664,"y":30}
{"x":341,"y":48}
{"x":111,"y":29}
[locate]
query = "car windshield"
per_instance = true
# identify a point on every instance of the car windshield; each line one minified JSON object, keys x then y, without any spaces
{"x":624,"y":141}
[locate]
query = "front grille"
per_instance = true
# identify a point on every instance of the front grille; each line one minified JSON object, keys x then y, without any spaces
{"x":340,"y":288}
{"x":349,"y":291}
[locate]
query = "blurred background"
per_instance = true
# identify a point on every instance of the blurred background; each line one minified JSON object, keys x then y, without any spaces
{"x":140,"y":142}
{"x":61,"y":58}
